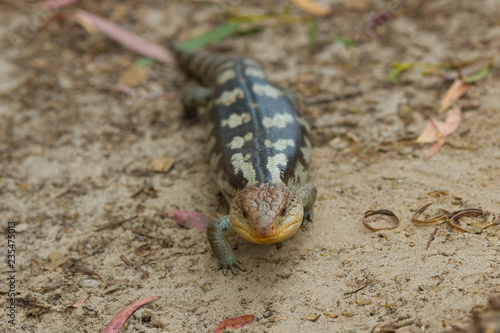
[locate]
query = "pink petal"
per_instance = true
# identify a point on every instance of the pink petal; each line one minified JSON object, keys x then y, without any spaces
{"x":120,"y":319}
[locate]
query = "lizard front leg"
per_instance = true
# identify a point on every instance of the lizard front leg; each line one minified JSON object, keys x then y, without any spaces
{"x":217,"y":232}
{"x":193,"y":99}
{"x":307,"y":194}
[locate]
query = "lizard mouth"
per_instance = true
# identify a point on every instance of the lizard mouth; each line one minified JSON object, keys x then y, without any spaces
{"x":269,"y":237}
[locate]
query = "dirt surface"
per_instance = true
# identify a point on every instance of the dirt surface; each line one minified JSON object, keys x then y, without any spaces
{"x":75,"y":153}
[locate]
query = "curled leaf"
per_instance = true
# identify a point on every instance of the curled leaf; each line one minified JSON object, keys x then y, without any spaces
{"x":235,"y":322}
{"x":120,"y":319}
{"x":386,"y":212}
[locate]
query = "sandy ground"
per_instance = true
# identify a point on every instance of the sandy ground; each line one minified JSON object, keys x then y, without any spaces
{"x":75,"y":152}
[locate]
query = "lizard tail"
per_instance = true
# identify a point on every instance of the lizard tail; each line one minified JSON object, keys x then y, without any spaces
{"x":203,"y":66}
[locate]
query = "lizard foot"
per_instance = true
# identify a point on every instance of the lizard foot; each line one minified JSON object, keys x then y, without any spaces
{"x":230,"y":262}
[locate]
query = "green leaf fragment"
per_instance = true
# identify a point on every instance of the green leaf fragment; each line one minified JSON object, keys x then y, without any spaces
{"x":217,"y":34}
{"x":478,"y":75}
{"x":344,"y":41}
{"x":145,"y":62}
{"x":313,"y":33}
{"x":398,"y":68}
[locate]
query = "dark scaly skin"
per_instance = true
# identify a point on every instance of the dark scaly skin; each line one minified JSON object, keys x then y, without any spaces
{"x":258,"y":149}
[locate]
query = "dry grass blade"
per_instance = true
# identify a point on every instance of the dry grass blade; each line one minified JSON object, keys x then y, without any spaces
{"x":380,"y":212}
{"x":457,"y":89}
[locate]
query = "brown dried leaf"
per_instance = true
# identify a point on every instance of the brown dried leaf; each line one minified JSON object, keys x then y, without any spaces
{"x":134,"y":76}
{"x":456,"y":90}
{"x":312,"y":7}
{"x":161,"y":164}
{"x":120,"y":319}
{"x":80,"y":302}
{"x":191,"y":220}
{"x":235,"y":322}
{"x":312,"y":316}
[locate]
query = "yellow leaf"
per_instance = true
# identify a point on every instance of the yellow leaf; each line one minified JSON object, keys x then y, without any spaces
{"x":312,"y":7}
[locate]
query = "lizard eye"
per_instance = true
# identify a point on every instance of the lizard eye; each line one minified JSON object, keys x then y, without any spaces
{"x":283,"y":211}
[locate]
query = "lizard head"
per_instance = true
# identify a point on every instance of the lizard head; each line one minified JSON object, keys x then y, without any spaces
{"x":266,"y":213}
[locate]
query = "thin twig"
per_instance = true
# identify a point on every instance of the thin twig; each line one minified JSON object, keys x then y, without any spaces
{"x":431,"y":238}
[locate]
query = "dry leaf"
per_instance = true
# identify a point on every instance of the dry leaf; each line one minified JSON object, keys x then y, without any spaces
{"x":456,"y":90}
{"x":312,"y":316}
{"x":235,"y":322}
{"x":161,"y":164}
{"x":134,"y":76}
{"x":80,"y":302}
{"x":120,"y":319}
{"x":191,"y":220}
{"x":312,"y":7}
{"x":436,"y":129}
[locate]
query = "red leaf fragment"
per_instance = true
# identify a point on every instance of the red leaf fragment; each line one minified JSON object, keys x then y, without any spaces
{"x":235,"y":322}
{"x":379,"y":18}
{"x":191,"y":220}
{"x":120,"y":319}
{"x":128,"y":39}
{"x":56,"y":4}
{"x":456,"y":90}
{"x":80,"y":302}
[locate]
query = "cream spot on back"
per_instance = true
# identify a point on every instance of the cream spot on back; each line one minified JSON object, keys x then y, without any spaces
{"x":279,"y":120}
{"x":304,"y":123}
{"x":273,"y":163}
{"x":225,"y":76}
{"x":244,"y":165}
{"x":229,"y":97}
{"x":281,"y":144}
{"x":266,"y":90}
{"x":238,"y":142}
{"x":255,"y":72}
{"x":236,"y":120}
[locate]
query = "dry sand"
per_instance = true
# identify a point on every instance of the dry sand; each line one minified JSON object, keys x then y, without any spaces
{"x":74,"y":156}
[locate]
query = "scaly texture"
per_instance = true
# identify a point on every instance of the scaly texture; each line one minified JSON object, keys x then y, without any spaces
{"x":258,"y":148}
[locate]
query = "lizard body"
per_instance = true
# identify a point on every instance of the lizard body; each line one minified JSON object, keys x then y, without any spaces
{"x":258,"y":148}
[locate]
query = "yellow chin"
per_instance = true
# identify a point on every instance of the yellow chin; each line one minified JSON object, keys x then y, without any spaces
{"x":279,"y":236}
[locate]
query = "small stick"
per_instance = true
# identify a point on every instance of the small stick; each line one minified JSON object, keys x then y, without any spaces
{"x":431,"y":238}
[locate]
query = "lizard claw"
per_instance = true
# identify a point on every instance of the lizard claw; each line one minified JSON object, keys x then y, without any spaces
{"x":230,"y":262}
